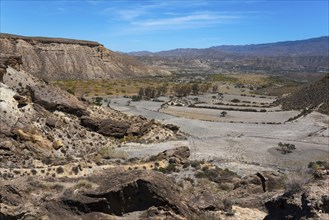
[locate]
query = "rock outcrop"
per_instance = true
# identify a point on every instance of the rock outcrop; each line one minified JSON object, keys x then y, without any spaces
{"x":9,"y":60}
{"x":311,"y":201}
{"x":39,"y":121}
{"x":137,"y":194}
{"x":121,"y":193}
{"x":53,"y":98}
{"x":60,"y":59}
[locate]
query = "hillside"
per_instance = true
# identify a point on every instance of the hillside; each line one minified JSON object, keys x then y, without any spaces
{"x":304,"y":56}
{"x":58,"y":59}
{"x":315,"y":95}
{"x":310,"y":47}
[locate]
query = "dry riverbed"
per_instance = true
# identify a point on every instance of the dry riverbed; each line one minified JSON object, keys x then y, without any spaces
{"x":236,"y":141}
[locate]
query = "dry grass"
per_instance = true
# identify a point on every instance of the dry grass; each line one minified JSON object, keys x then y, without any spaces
{"x":295,"y":181}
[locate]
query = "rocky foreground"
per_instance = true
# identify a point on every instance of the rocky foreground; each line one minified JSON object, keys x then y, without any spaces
{"x":60,"y":158}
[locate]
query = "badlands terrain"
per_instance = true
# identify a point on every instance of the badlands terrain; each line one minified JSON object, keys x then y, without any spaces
{"x":174,"y":146}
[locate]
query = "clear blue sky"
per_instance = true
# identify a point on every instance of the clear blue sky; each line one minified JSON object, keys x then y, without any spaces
{"x":153,"y":25}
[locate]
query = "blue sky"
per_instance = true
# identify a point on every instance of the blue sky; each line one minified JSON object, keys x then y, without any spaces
{"x":154,"y":25}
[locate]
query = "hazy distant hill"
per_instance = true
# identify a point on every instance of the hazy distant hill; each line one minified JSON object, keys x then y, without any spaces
{"x":309,"y":56}
{"x":59,"y":58}
{"x":311,"y":47}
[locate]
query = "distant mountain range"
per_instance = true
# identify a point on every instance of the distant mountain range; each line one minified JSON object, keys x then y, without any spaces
{"x":309,"y":55}
{"x":310,"y":47}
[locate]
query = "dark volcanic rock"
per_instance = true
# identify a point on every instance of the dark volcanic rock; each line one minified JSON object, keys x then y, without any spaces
{"x":109,"y":127}
{"x":172,"y":127}
{"x":312,"y":202}
{"x":91,"y":123}
{"x":120,"y":193}
{"x":288,"y":207}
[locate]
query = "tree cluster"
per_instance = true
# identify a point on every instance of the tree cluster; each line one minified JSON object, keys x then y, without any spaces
{"x":195,"y":88}
{"x":152,"y":92}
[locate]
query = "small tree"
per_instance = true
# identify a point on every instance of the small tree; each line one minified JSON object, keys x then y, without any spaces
{"x":286,"y":148}
{"x":223,"y":113}
{"x":195,"y":88}
{"x":182,"y":89}
{"x":141,"y":92}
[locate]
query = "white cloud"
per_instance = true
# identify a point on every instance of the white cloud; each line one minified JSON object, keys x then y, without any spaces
{"x":204,"y":18}
{"x":60,"y":9}
{"x":133,"y":12}
{"x":95,"y":2}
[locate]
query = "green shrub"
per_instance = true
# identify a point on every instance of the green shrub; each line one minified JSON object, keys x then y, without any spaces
{"x":59,"y":170}
{"x":286,"y":148}
{"x":136,"y":98}
{"x":235,"y":100}
{"x":318,"y":164}
{"x":168,"y":169}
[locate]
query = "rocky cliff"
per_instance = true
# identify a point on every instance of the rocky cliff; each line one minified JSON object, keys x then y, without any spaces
{"x":58,"y":59}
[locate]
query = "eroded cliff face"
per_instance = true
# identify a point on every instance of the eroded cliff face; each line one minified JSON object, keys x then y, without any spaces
{"x":59,"y":59}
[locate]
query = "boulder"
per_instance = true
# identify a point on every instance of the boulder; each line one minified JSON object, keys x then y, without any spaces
{"x":57,"y":144}
{"x":90,"y":123}
{"x":53,"y":98}
{"x":182,"y":153}
{"x":111,"y":128}
{"x":172,"y":127}
{"x":22,"y":100}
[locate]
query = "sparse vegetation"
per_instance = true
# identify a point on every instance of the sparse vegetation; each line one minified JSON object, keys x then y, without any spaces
{"x":59,"y":170}
{"x":83,"y":184}
{"x":168,"y":169}
{"x":286,"y":148}
{"x":318,"y":165}
{"x":223,"y":113}
{"x":296,"y":181}
{"x":108,"y":153}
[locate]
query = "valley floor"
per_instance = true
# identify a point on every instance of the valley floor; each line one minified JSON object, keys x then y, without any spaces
{"x":239,"y":141}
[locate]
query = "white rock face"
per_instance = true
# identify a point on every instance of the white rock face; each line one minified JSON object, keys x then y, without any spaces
{"x":9,"y":112}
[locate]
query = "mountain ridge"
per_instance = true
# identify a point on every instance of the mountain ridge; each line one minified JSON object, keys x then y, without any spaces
{"x":303,"y":56}
{"x":238,"y":48}
{"x":65,"y":59}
